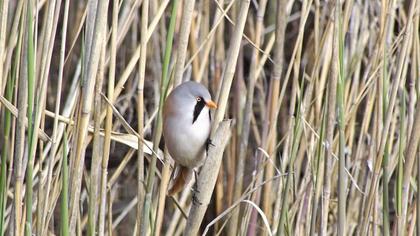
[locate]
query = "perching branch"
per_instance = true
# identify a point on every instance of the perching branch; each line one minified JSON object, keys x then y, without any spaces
{"x":207,"y":178}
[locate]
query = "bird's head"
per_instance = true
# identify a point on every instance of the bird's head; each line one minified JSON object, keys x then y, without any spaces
{"x":189,"y":98}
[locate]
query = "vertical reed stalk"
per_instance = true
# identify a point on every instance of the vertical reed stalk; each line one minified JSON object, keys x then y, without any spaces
{"x":276,"y":74}
{"x":111,"y":82}
{"x":415,"y":136}
{"x":140,"y":112}
{"x":158,"y":131}
{"x":186,"y":19}
{"x":319,"y":171}
{"x":210,"y":170}
{"x":94,"y":47}
{"x":30,"y":57}
{"x":244,"y":136}
{"x":4,"y":155}
{"x":284,"y":223}
{"x":331,"y":104}
{"x":20,"y":132}
{"x":4,"y":7}
{"x":64,"y":213}
{"x":98,"y":166}
{"x":339,"y":69}
{"x":55,"y":139}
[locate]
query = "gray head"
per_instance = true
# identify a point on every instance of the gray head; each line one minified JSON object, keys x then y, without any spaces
{"x":192,"y":89}
{"x":191,"y":92}
{"x":187,"y":98}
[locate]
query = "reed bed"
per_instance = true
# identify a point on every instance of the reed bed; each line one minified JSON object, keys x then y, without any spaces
{"x":316,"y":133}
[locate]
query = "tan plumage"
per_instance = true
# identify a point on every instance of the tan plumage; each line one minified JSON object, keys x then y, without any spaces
{"x":182,"y":178}
{"x":186,"y":129}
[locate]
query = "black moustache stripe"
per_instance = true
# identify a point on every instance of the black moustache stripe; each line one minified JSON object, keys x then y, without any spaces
{"x":198,"y":108}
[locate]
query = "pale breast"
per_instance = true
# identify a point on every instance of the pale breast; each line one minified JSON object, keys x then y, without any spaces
{"x":185,"y":140}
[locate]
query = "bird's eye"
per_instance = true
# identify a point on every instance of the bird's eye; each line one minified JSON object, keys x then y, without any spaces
{"x":198,"y":99}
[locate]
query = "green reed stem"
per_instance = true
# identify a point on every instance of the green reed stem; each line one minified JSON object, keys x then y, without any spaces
{"x":31,"y":84}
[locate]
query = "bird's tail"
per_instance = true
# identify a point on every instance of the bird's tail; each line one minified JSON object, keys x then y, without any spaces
{"x":182,"y":178}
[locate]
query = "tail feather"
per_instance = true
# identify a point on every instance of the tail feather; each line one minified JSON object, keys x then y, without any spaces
{"x":179,"y":182}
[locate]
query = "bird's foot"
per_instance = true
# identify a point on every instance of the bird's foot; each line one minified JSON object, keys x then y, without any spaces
{"x":195,"y":200}
{"x":195,"y":190}
{"x":195,"y":187}
{"x":209,"y":143}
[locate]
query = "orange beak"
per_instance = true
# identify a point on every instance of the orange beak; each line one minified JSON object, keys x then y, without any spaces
{"x":211,"y":104}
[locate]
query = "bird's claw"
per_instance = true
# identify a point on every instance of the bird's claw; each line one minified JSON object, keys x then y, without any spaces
{"x":195,"y":200}
{"x":195,"y":187}
{"x":195,"y":190}
{"x":210,"y":143}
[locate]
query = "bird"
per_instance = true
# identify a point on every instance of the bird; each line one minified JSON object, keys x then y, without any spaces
{"x":186,"y":129}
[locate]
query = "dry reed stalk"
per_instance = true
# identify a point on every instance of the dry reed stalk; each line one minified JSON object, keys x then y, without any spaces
{"x":270,"y":133}
{"x":292,"y":157}
{"x":129,"y":16}
{"x":229,"y":69}
{"x":329,"y":162}
{"x":55,"y":139}
{"x":379,"y":125}
{"x":187,"y":15}
{"x":244,"y":136}
{"x":156,"y":18}
{"x":140,"y":110}
{"x":15,"y":112}
{"x":135,"y":57}
{"x":418,"y":201}
{"x":415,"y":136}
{"x":179,"y":218}
{"x":13,"y":36}
{"x":323,"y":76}
{"x":164,"y":182}
{"x":130,"y":206}
{"x":158,"y":132}
{"x":205,"y":26}
{"x":130,"y":67}
{"x":118,"y":172}
{"x":416,"y":74}
{"x":207,"y":178}
{"x":281,"y":20}
{"x":193,"y":48}
{"x":231,"y":155}
{"x":99,"y":173}
{"x":94,"y":47}
{"x":208,"y":42}
{"x":211,"y":168}
{"x":75,"y":33}
{"x":21,"y":92}
{"x":382,"y":103}
{"x":321,"y":66}
{"x":110,"y":94}
{"x":288,"y":144}
{"x":219,"y":50}
{"x":151,"y":174}
{"x":380,"y":151}
{"x":411,"y":152}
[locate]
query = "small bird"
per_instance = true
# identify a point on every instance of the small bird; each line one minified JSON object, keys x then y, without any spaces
{"x":186,"y":129}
